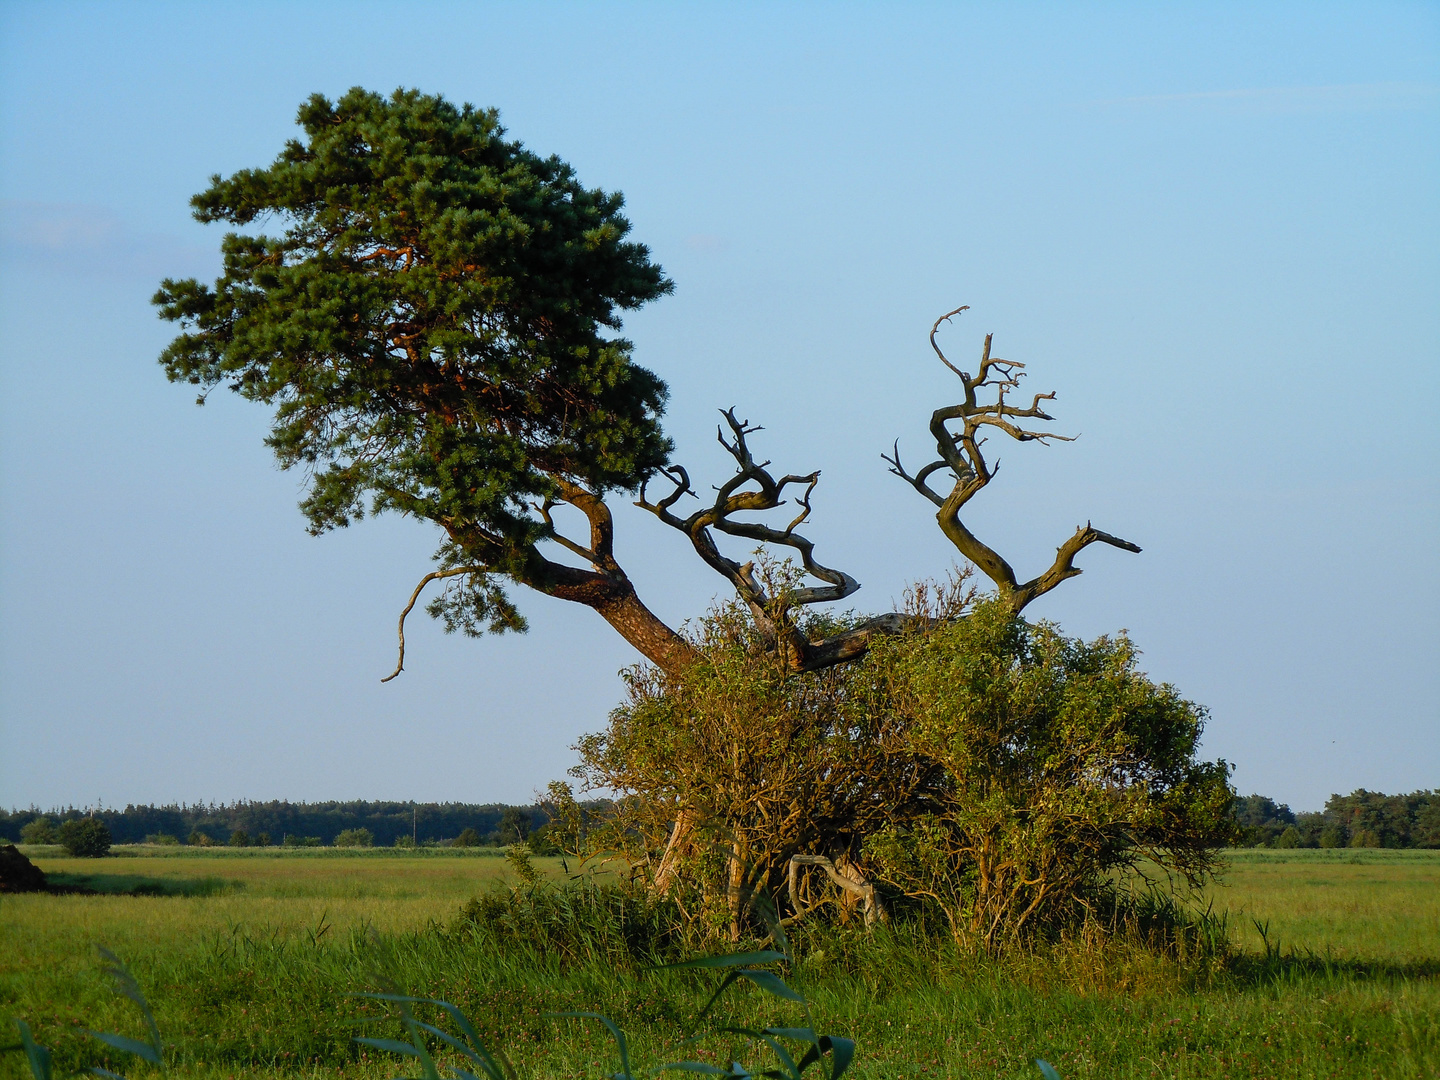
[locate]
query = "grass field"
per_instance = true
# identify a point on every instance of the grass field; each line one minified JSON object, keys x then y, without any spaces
{"x":248,"y":957}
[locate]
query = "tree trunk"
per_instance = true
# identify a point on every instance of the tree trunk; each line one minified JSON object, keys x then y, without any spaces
{"x":638,"y":625}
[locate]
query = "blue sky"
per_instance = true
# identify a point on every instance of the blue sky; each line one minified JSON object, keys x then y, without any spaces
{"x":1214,"y":230}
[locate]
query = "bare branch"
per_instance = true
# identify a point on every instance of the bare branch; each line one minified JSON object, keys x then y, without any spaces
{"x":1064,"y":565}
{"x":753,"y":488}
{"x":863,"y":890}
{"x":918,"y":480}
{"x":934,"y":345}
{"x":960,"y":450}
{"x":400,"y":664}
{"x":564,"y":541}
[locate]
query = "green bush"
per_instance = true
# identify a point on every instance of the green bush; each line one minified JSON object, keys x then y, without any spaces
{"x":262,"y":839}
{"x":85,"y":837}
{"x":467,"y":838}
{"x":199,"y":839}
{"x":355,"y":838}
{"x":1056,"y":762}
{"x":239,"y":838}
{"x":291,"y":840}
{"x":163,"y":839}
{"x":39,"y":831}
{"x":987,"y":770}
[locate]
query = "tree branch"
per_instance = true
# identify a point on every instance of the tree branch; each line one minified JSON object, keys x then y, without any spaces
{"x":414,"y":596}
{"x":961,"y":452}
{"x":754,"y":488}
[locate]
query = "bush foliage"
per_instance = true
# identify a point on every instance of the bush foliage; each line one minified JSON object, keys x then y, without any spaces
{"x":85,"y":837}
{"x":986,"y":768}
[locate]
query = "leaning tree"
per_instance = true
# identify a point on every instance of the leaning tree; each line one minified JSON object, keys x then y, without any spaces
{"x":436,"y":330}
{"x":435,"y":318}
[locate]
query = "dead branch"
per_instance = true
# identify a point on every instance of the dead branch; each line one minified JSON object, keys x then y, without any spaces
{"x":863,"y":890}
{"x":961,"y":452}
{"x":414,"y":596}
{"x":753,"y":488}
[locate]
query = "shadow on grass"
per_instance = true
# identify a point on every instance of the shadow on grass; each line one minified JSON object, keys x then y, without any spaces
{"x":139,"y":885}
{"x":1307,"y":966}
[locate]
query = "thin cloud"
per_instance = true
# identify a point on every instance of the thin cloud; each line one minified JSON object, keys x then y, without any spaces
{"x":83,"y":238}
{"x":1345,"y":97}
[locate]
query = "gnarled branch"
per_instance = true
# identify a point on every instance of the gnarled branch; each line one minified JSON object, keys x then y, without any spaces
{"x":961,"y":452}
{"x":754,"y":488}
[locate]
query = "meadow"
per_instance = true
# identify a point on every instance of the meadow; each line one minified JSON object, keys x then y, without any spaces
{"x":249,"y":958}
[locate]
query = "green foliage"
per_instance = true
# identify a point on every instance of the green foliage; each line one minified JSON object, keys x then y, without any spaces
{"x":767,"y":762}
{"x":293,"y":841}
{"x":434,"y":328}
{"x":385,"y":820}
{"x":518,"y":857}
{"x":39,"y":831}
{"x":544,"y":841}
{"x":984,"y":768}
{"x":84,"y":837}
{"x":200,"y":839}
{"x":162,"y":839}
{"x":239,"y":838}
{"x":1057,"y":763}
{"x":467,"y":838}
{"x":581,"y":921}
{"x":514,"y":826}
{"x":1360,"y":819}
{"x":355,"y":838}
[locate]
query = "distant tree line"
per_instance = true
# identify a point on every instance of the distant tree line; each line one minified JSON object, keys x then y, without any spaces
{"x":1360,"y":819}
{"x":248,"y":824}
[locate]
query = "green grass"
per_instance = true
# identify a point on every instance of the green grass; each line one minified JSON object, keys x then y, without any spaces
{"x":248,"y":959}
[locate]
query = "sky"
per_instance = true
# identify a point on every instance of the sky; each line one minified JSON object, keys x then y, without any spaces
{"x":1213,"y":229}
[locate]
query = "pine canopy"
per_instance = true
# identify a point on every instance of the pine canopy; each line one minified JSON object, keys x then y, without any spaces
{"x":436,"y":326}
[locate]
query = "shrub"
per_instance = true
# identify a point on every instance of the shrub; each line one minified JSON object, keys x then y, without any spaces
{"x":239,"y":838}
{"x":85,"y":837}
{"x":980,"y":767}
{"x":292,"y":841}
{"x":1056,"y":762}
{"x":199,"y":839}
{"x":41,"y":830}
{"x":355,"y":838}
{"x":467,"y":838}
{"x":163,"y":839}
{"x":404,"y":841}
{"x":765,"y":763}
{"x":262,"y":839}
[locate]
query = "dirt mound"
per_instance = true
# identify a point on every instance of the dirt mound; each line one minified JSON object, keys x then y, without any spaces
{"x":19,"y":874}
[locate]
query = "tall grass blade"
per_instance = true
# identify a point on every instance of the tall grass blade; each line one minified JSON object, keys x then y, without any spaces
{"x":615,"y":1033}
{"x":144,"y":1051}
{"x":38,"y":1057}
{"x":127,"y":987}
